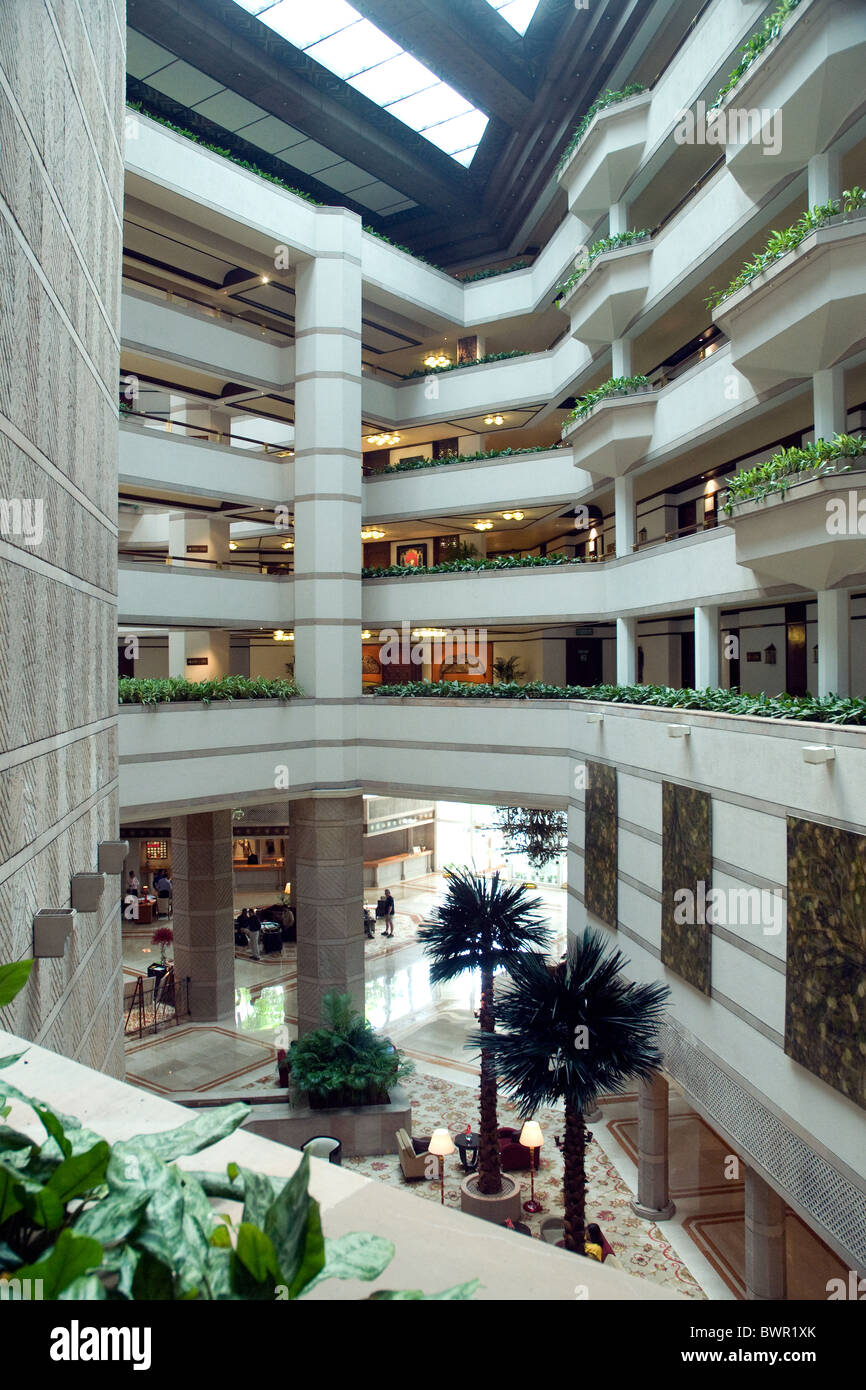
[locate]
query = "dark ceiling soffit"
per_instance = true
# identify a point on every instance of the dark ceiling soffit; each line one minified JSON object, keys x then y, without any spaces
{"x":235,"y":48}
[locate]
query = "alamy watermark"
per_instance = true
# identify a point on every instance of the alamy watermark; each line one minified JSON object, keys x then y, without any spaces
{"x":736,"y":125}
{"x":438,"y":646}
{"x":23,"y":517}
{"x":729,"y":907}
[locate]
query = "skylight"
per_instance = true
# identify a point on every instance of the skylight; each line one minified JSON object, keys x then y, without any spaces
{"x":517,"y":12}
{"x":347,"y":44}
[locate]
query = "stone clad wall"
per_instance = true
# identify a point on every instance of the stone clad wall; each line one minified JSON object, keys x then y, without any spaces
{"x":61,"y":190}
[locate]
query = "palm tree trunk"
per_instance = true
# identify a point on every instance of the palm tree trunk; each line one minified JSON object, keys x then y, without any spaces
{"x":574,"y":1178}
{"x":489,"y":1169}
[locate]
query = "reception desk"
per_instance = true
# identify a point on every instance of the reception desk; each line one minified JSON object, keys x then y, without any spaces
{"x":397,"y":868}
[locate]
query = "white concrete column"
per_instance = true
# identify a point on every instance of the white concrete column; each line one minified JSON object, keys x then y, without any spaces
{"x":766,"y":1274}
{"x":653,"y":1199}
{"x":193,"y":539}
{"x":623,"y":493}
{"x":620,"y":357}
{"x":834,"y":643}
{"x":626,"y":651}
{"x":199,"y":655}
{"x":824,"y":173}
{"x":327,"y":583}
{"x":828,"y":396}
{"x":618,"y":218}
{"x":707,"y":639}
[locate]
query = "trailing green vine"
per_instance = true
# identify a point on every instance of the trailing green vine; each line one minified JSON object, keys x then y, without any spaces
{"x":615,"y":386}
{"x":407,"y":465}
{"x":468,"y":563}
{"x":608,"y":243}
{"x":489,"y":274}
{"x":755,"y":45}
{"x":788,"y":239}
{"x":606,"y":99}
{"x":826,"y":709}
{"x":777,"y":473}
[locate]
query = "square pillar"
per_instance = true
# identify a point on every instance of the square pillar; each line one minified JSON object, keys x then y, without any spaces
{"x":329,"y":875}
{"x":653,"y":1191}
{"x":828,"y":394}
{"x":623,"y":491}
{"x":707,"y":646}
{"x":626,"y":651}
{"x":766,"y":1274}
{"x":834,"y":643}
{"x":203,"y":921}
{"x":824,"y":174}
{"x":210,"y":653}
{"x":620,"y":363}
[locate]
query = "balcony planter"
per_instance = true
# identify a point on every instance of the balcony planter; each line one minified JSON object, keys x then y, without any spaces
{"x":812,"y":74}
{"x":615,"y":434}
{"x":608,"y":297}
{"x":806,"y":310}
{"x":607,"y":157}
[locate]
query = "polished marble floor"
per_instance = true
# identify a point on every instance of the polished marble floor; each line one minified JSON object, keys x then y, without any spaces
{"x":705,"y":1238}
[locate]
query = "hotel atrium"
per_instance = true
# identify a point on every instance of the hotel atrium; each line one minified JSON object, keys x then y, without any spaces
{"x":418,"y":422}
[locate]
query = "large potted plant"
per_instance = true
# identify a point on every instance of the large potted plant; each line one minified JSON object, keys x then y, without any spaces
{"x":567,"y":1033}
{"x":484,"y":925}
{"x":345,"y":1062}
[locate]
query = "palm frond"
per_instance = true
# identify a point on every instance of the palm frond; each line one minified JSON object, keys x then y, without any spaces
{"x":481,"y":924}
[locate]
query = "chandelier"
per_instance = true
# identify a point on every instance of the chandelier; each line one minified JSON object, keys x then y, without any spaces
{"x":437,"y":359}
{"x":383,"y":441}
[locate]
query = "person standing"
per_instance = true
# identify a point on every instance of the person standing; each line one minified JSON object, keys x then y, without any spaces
{"x":254,"y":932}
{"x":390,"y":907}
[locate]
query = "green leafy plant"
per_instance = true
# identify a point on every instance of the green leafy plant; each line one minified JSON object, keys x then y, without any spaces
{"x":471,"y":362}
{"x":468,"y":563}
{"x":13,"y":978}
{"x":755,"y":45}
{"x":489,"y":274}
{"x":406,"y":465}
{"x":345,"y":1062}
{"x":140,"y":690}
{"x":371,"y":231}
{"x":606,"y":99}
{"x":568,"y":1033}
{"x":788,"y":239}
{"x":482,"y":925}
{"x":826,"y":709}
{"x":777,"y":473}
{"x":599,"y":248}
{"x":507,"y":668}
{"x":615,"y":386}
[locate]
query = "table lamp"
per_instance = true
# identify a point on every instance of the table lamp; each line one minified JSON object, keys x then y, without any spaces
{"x":532,"y":1139}
{"x":441,"y":1144}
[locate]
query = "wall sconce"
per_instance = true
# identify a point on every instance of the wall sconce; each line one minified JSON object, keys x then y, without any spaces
{"x":818,"y":753}
{"x":770,"y":655}
{"x":86,"y":891}
{"x":112,"y":854}
{"x":642,"y":536}
{"x":679,"y":730}
{"x":815,"y":656}
{"x":52,"y":928}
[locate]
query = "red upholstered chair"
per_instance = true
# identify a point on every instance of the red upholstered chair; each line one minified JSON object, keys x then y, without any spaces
{"x":512,"y":1154}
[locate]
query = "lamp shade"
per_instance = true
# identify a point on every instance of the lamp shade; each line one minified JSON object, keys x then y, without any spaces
{"x":531,"y":1136}
{"x":441,"y":1143}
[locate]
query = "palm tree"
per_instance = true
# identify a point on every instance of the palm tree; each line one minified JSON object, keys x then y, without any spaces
{"x":569,"y":1032}
{"x":485,"y":925}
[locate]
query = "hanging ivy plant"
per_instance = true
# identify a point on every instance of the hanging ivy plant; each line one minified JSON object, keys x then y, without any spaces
{"x":540,"y":835}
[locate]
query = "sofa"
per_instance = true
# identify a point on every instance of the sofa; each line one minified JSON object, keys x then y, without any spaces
{"x":412,"y":1154}
{"x":513,"y":1155}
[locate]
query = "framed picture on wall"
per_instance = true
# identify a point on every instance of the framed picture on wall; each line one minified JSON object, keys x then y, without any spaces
{"x":412,"y":556}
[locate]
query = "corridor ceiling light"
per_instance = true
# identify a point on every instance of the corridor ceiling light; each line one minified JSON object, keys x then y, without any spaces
{"x":343,"y":41}
{"x":281,"y":636}
{"x":288,"y":545}
{"x":437,"y":359}
{"x":233,"y":545}
{"x":483,"y":525}
{"x":420,"y":632}
{"x":366,"y":635}
{"x":383,"y":441}
{"x":512,"y":516}
{"x":372,"y":533}
{"x":493,"y":419}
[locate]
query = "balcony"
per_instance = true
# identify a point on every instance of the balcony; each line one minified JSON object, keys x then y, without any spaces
{"x":615,"y":435}
{"x":814,"y":534}
{"x":188,"y":594}
{"x":158,"y":459}
{"x":796,"y":96}
{"x":610,"y":295}
{"x":607,"y":157}
{"x":806,"y":311}
{"x":532,"y":479}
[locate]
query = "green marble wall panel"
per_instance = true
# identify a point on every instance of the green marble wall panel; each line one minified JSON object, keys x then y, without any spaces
{"x":600,"y":842}
{"x":687,"y":861}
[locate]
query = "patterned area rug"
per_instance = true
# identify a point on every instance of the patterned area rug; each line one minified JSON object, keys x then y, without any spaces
{"x":641,"y":1248}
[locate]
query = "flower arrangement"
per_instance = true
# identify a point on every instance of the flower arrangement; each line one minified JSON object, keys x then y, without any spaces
{"x":162,"y":937}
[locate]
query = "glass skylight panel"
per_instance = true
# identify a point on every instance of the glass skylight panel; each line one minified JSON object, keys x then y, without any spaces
{"x":517,"y":12}
{"x":347,"y":44}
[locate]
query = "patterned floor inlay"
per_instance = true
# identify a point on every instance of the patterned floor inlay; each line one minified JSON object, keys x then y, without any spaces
{"x":810,"y":1265}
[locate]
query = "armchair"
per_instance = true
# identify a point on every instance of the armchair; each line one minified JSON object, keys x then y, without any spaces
{"x":513,"y":1155}
{"x":412,"y":1155}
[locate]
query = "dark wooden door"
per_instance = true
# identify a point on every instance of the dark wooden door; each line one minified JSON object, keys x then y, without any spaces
{"x":583,"y":661}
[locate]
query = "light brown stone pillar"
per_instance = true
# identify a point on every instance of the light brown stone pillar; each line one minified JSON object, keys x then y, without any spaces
{"x":653,"y":1193}
{"x":330,"y":902}
{"x":766,"y":1274}
{"x":201,"y":852}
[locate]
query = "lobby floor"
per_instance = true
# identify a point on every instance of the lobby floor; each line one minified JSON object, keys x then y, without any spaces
{"x":698,"y":1253}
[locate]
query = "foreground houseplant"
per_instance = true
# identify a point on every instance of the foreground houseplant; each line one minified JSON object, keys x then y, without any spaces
{"x":345,"y":1062}
{"x":86,"y":1220}
{"x":569,"y":1033}
{"x":482,"y":925}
